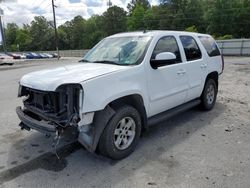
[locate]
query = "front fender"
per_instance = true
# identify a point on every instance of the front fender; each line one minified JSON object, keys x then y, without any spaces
{"x":89,"y":137}
{"x":99,"y":92}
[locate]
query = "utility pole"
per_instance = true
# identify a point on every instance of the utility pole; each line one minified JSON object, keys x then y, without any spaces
{"x":2,"y":31}
{"x":56,"y":36}
{"x":109,"y":3}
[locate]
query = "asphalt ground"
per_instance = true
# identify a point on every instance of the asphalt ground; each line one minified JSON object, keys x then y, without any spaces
{"x":193,"y":149}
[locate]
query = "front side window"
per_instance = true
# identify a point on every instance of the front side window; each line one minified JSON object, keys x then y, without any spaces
{"x":167,"y":44}
{"x":119,"y":50}
{"x":191,"y":48}
{"x":210,"y":46}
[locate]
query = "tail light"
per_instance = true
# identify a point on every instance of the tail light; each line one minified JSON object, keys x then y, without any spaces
{"x":222,"y":59}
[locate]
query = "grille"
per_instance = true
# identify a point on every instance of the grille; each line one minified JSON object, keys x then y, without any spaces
{"x":45,"y":101}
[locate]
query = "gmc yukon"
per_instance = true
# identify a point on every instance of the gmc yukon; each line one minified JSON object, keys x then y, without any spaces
{"x":126,"y":83}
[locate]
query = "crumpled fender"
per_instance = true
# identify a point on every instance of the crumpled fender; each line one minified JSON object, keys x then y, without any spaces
{"x":90,"y":136}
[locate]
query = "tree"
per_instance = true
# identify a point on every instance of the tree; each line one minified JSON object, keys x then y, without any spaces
{"x":184,"y":13}
{"x":221,"y":18}
{"x":193,"y":15}
{"x":23,"y":39}
{"x":115,"y":20}
{"x":136,"y":20}
{"x":94,"y":30}
{"x":41,"y":32}
{"x":191,"y":29}
{"x":132,"y":5}
{"x":174,"y":5}
{"x":151,"y":18}
{"x":78,"y":28}
{"x":11,"y":34}
{"x":242,"y":20}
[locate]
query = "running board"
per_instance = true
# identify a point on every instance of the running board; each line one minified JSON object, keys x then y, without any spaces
{"x":172,"y":112}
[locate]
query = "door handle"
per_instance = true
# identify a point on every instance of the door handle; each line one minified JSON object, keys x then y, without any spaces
{"x":180,"y":72}
{"x":203,"y":66}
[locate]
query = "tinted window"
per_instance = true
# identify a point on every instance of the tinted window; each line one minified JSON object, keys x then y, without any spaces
{"x":210,"y":46}
{"x":167,"y":44}
{"x":191,"y":48}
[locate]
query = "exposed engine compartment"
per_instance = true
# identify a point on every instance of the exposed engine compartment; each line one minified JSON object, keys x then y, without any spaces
{"x":60,"y":107}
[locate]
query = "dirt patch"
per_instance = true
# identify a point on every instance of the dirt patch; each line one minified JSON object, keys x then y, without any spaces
{"x":245,"y":70}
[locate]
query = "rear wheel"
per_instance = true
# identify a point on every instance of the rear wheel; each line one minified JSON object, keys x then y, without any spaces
{"x":209,"y":94}
{"x":121,"y":134}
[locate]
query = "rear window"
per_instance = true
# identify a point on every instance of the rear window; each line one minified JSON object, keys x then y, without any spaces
{"x":210,"y":46}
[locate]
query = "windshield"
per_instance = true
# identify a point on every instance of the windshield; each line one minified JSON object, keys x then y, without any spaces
{"x":119,"y":50}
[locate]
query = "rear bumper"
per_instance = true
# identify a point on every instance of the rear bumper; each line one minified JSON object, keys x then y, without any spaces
{"x":32,"y":123}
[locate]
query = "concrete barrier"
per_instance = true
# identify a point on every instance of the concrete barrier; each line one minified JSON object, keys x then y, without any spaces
{"x":235,"y":47}
{"x":67,"y":53}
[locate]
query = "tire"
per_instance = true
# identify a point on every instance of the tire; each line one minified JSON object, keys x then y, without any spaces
{"x":121,"y":134}
{"x":209,"y":94}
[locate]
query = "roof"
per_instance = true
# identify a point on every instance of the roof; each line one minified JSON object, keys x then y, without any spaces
{"x":154,"y":33}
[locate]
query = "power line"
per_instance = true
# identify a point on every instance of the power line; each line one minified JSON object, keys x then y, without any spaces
{"x":40,"y":4}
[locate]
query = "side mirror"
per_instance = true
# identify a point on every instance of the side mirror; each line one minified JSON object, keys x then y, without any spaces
{"x":165,"y":56}
{"x":161,"y":59}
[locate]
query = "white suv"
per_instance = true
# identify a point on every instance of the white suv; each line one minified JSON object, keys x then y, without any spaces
{"x":126,"y":83}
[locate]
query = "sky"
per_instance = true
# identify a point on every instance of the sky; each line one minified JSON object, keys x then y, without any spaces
{"x":23,"y":11}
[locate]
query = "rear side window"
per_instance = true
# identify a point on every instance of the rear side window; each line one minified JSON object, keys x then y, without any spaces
{"x":167,"y":44}
{"x":210,"y":45}
{"x":191,"y":48}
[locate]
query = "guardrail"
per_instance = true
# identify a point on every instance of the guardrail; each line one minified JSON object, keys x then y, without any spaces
{"x":235,"y":47}
{"x":232,"y":47}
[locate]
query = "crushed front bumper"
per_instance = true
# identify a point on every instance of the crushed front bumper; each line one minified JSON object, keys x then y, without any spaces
{"x":28,"y":122}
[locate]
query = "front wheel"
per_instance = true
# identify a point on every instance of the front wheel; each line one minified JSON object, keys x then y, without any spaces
{"x":121,"y":134}
{"x":209,"y":94}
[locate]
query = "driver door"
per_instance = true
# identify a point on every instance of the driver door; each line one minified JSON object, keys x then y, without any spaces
{"x":168,"y":84}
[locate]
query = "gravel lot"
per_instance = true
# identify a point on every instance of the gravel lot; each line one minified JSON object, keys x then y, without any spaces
{"x":193,"y":149}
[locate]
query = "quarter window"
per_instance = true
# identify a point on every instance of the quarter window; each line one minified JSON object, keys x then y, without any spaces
{"x":210,"y":46}
{"x":191,"y":48}
{"x":167,"y":44}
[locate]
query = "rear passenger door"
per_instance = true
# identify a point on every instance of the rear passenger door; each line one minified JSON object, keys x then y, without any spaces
{"x":196,"y":66}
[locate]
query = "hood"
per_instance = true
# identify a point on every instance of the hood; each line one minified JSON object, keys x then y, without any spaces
{"x":49,"y":80}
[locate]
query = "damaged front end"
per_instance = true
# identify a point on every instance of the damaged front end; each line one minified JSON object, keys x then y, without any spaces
{"x":50,"y":111}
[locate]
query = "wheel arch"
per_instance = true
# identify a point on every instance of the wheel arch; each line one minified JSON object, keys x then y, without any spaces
{"x":134,"y":100}
{"x":213,"y":75}
{"x":91,"y":139}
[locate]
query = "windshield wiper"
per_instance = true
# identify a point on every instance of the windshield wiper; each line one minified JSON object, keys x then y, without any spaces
{"x":107,"y":62}
{"x":83,"y":60}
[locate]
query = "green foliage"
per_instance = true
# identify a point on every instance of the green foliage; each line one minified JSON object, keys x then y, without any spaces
{"x":10,"y":34}
{"x":23,"y":39}
{"x":134,"y":3}
{"x":191,"y":29}
{"x":136,"y":20}
{"x":223,"y":19}
{"x":225,"y":37}
{"x":115,"y":20}
{"x":41,"y":32}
